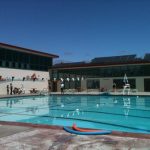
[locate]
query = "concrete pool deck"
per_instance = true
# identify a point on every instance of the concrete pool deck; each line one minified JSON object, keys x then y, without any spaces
{"x":80,"y":93}
{"x":30,"y":138}
{"x":101,"y":93}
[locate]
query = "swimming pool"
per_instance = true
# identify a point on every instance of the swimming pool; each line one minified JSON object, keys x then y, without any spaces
{"x":121,"y":113}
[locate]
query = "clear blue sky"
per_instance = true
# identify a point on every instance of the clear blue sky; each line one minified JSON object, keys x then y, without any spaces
{"x":77,"y":30}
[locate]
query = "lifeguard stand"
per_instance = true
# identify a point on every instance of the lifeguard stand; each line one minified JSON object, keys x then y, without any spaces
{"x":126,"y":89}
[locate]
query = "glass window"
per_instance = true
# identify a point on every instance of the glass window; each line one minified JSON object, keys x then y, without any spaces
{"x":93,"y":84}
{"x":147,"y":85}
{"x":16,"y":57}
{"x":24,"y":60}
{"x":25,"y":66}
{"x":120,"y":83}
{"x":2,"y":54}
{"x":22,"y":66}
{"x":32,"y":60}
{"x":10,"y":64}
{"x":9,"y":55}
{"x":16,"y":65}
{"x":19,"y":65}
{"x":13,"y":64}
{"x":28,"y":66}
{"x":31,"y":66}
{"x":7,"y":64}
{"x":3,"y":63}
{"x":72,"y":84}
{"x":66,"y":84}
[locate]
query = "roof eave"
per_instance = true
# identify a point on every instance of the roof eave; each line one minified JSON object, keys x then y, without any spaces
{"x":89,"y":65}
{"x":26,"y":50}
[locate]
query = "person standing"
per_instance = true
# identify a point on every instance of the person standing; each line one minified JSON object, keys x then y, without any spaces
{"x":7,"y":89}
{"x":62,"y":88}
{"x":11,"y":88}
{"x":114,"y":87}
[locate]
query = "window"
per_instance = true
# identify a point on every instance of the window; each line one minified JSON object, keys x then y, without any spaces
{"x":16,"y":65}
{"x":3,"y":63}
{"x":9,"y":56}
{"x":22,"y":66}
{"x":7,"y":64}
{"x":147,"y":85}
{"x":120,"y":83}
{"x":15,"y":59}
{"x":93,"y":84}
{"x":10,"y":64}
{"x":28,"y":66}
{"x":13,"y":64}
{"x":2,"y":54}
{"x":19,"y":65}
{"x":25,"y":66}
{"x":25,"y":58}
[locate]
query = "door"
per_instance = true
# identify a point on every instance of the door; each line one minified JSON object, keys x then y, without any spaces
{"x":54,"y":86}
{"x":147,"y":85}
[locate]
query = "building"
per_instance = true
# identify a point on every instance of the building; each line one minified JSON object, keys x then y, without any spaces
{"x":101,"y":73}
{"x":24,"y":68}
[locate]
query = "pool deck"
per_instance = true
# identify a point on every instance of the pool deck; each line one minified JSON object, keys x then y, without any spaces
{"x":102,"y":93}
{"x":81,"y":93}
{"x":16,"y":136}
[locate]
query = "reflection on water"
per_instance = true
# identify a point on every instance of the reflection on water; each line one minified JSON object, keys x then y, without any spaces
{"x":73,"y":113}
{"x":33,"y":110}
{"x":78,"y":102}
{"x":11,"y":102}
{"x":126,"y":105}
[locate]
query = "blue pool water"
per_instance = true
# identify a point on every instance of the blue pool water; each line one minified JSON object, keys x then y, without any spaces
{"x":129,"y":114}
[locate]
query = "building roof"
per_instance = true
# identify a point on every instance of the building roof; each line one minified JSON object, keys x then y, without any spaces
{"x":123,"y":58}
{"x":108,"y":61}
{"x":26,"y":50}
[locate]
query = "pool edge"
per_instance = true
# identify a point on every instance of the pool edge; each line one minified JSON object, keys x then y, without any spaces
{"x":54,"y":127}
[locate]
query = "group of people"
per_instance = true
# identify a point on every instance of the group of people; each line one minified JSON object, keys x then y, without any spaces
{"x":13,"y":90}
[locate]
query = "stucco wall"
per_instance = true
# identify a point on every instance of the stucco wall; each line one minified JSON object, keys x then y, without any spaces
{"x":140,"y":84}
{"x":18,"y":82}
{"x":106,"y":83}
